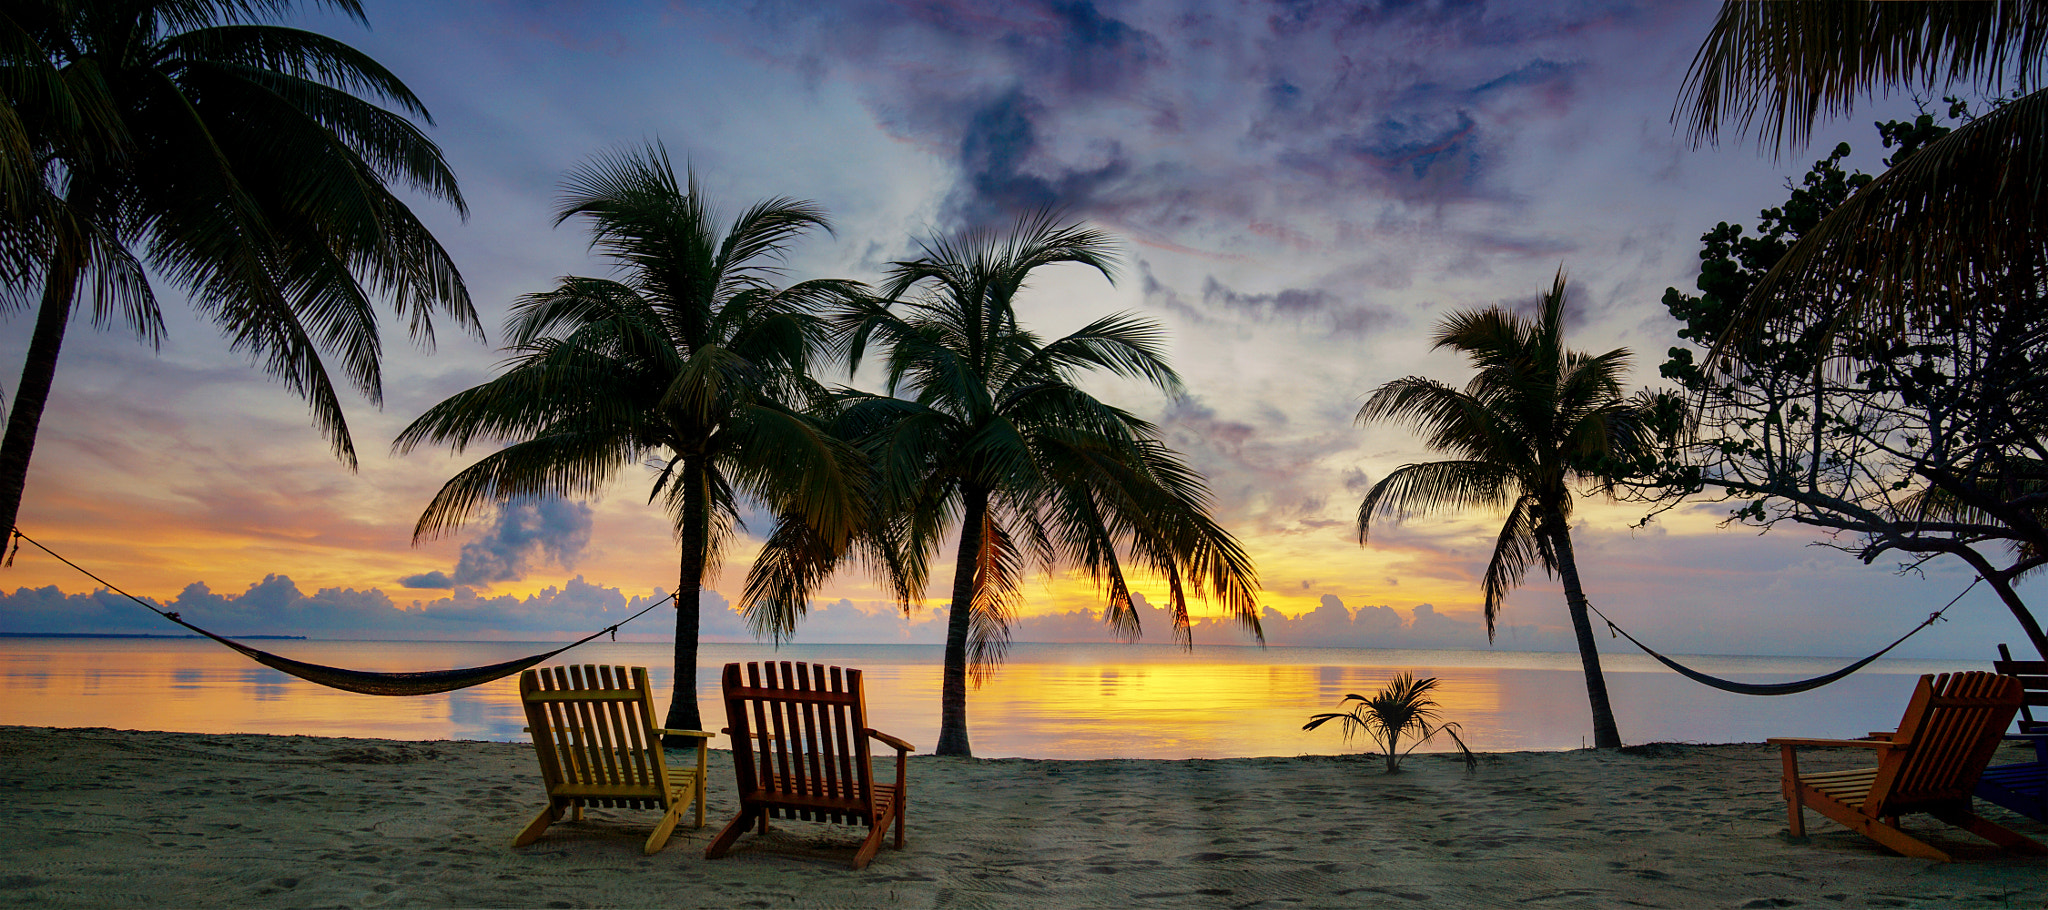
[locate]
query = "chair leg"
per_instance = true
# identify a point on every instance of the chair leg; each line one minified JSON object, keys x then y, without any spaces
{"x":1795,"y":821}
{"x":1900,"y":842}
{"x":659,"y":838}
{"x":899,"y":820}
{"x":1992,"y":831}
{"x":698,"y":799}
{"x":738,"y":826}
{"x":548,"y":814}
{"x":872,"y":844}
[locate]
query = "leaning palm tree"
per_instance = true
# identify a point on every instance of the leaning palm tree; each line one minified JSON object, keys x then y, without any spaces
{"x":1963,"y":222}
{"x":995,"y":438}
{"x":1535,"y":420}
{"x":245,"y":162}
{"x":692,"y":357}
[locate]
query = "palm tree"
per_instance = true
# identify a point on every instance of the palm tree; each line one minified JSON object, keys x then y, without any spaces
{"x":231,"y":156}
{"x":1960,"y":224}
{"x":996,"y":438}
{"x":692,"y":356}
{"x":1402,"y":707}
{"x":1536,"y":419}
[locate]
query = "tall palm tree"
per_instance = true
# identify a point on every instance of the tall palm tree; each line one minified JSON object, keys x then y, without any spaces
{"x":1534,"y":421}
{"x":691,"y":356}
{"x":1960,"y":224}
{"x":995,"y":437}
{"x":237,"y":158}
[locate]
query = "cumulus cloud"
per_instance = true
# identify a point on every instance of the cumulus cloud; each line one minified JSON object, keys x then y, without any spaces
{"x":1330,"y":625}
{"x":528,"y":532}
{"x":435,"y":579}
{"x":276,"y":606}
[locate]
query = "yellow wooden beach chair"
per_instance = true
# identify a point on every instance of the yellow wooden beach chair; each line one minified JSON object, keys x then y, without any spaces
{"x":593,"y":729}
{"x":1930,"y":764}
{"x":800,"y":750}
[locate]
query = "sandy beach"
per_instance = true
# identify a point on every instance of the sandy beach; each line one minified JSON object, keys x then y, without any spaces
{"x":106,"y":819}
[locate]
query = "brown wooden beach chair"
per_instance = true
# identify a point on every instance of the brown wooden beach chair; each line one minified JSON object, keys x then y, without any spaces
{"x":800,"y":750}
{"x":2023,"y":787}
{"x":593,"y":729}
{"x":1930,"y":764}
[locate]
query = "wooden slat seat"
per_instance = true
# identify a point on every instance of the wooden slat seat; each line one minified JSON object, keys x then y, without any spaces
{"x":2023,"y":787}
{"x":1930,"y":764}
{"x":593,"y":731}
{"x":800,"y":747}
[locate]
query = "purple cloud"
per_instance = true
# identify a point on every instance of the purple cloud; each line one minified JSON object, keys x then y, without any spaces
{"x":527,"y":532}
{"x":1156,"y":116}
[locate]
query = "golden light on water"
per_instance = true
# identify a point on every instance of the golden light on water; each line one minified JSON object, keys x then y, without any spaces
{"x":1083,"y":702}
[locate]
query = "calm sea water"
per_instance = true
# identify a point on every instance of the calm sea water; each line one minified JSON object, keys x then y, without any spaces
{"x":1049,"y":701}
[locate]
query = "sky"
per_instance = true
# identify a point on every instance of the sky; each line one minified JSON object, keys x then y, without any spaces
{"x":1301,"y":190}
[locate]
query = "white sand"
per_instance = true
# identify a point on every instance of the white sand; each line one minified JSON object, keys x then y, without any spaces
{"x":109,"y":819}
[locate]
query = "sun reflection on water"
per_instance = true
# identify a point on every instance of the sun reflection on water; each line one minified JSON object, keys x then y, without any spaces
{"x":1084,"y":701}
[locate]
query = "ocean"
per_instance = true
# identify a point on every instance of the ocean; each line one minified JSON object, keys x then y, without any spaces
{"x":1095,"y":701}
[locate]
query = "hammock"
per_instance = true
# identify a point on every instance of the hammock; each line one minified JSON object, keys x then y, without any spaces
{"x":1787,"y":688}
{"x":365,"y":682}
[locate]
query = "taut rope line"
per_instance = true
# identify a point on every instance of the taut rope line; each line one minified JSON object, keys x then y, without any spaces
{"x":365,"y":682}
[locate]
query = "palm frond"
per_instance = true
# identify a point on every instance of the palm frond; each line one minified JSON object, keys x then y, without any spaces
{"x":571,"y":465}
{"x":997,"y":575}
{"x":1418,"y":490}
{"x":1960,"y":224}
{"x":1519,"y":543}
{"x":1779,"y":67}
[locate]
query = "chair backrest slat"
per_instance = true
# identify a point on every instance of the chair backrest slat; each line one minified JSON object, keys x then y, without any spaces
{"x":2033,"y":677}
{"x":593,"y":726}
{"x":798,"y":736}
{"x":1950,"y":729}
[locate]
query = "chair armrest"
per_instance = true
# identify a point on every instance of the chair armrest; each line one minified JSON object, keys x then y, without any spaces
{"x":696,"y":733}
{"x":893,"y":742}
{"x":1865,"y":743}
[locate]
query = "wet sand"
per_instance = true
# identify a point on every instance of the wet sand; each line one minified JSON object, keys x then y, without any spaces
{"x":109,"y":819}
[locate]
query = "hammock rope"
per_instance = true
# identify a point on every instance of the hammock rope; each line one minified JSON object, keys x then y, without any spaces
{"x":364,"y":682}
{"x":1787,"y":688}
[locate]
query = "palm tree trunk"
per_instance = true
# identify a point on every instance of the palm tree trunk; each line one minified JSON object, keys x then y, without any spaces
{"x":953,"y":691}
{"x":1605,"y":734}
{"x":682,"y":704}
{"x":38,"y":373}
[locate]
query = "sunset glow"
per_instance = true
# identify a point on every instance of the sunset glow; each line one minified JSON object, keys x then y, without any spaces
{"x":1297,"y":209}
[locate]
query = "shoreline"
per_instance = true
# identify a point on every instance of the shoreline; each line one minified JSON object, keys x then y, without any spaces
{"x":107,"y":818}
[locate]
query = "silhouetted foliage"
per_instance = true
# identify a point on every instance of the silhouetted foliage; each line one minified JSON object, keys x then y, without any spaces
{"x":993,"y":435}
{"x":1402,"y":708}
{"x":248,"y":164}
{"x":1922,"y":437}
{"x":693,"y":361}
{"x":1537,"y":421}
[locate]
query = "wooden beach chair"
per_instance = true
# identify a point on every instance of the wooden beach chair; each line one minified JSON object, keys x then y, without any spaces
{"x":593,"y":729}
{"x":800,"y":750}
{"x":1930,"y":764}
{"x":2023,"y":787}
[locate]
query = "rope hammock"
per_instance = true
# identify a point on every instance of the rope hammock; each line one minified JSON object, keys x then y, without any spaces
{"x":364,"y":682}
{"x":1787,"y":688}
